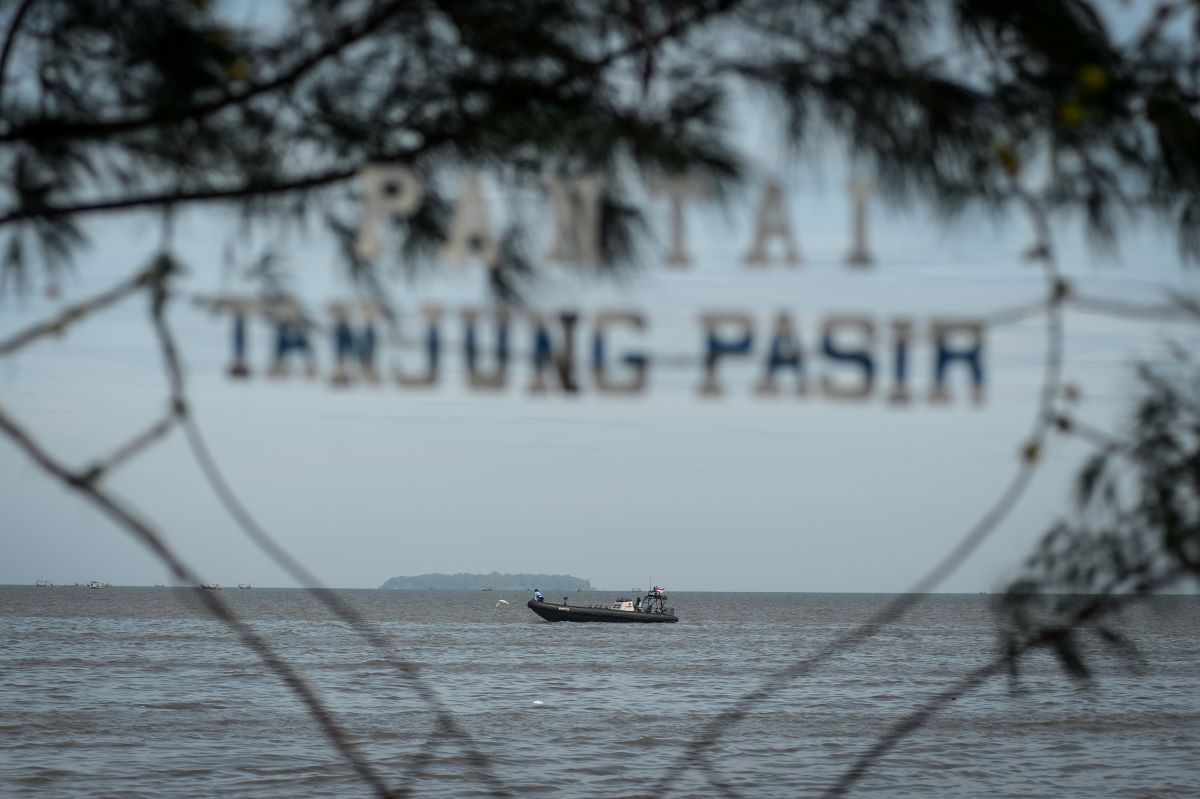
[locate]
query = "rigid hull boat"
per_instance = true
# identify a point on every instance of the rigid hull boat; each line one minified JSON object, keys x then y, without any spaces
{"x":650,"y":609}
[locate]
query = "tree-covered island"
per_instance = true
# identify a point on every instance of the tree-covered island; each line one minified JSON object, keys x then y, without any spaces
{"x":472,"y":582}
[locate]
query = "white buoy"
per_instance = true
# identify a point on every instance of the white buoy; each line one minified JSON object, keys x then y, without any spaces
{"x":538,"y":702}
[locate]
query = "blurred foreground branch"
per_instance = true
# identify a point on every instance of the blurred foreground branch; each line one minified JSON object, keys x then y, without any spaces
{"x":142,"y":531}
{"x":695,"y":754}
{"x":156,"y":280}
{"x":145,"y":105}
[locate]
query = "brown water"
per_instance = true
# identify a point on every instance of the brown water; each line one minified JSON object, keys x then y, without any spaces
{"x":135,"y":692}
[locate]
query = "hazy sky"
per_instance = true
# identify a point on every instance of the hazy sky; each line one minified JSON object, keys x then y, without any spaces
{"x":741,"y":493}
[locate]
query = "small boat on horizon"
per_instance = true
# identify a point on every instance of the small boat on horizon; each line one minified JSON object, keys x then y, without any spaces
{"x":650,"y":609}
{"x":244,"y":585}
{"x":211,"y":586}
{"x":98,"y":584}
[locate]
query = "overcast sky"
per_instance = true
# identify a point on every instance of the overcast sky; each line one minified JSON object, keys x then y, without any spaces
{"x":741,"y":493}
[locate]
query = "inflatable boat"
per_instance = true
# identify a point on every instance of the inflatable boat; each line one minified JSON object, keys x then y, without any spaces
{"x":650,"y":609}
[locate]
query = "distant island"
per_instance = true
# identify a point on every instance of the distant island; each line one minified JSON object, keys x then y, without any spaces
{"x":495,"y":580}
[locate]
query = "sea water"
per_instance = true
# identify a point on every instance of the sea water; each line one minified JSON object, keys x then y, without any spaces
{"x":138,"y":692}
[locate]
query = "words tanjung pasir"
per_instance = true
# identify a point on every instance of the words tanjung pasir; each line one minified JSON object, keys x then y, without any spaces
{"x":841,"y":357}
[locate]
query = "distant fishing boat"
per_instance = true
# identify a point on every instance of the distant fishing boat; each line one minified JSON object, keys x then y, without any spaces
{"x":650,"y":609}
{"x":98,"y":584}
{"x":42,"y":582}
{"x":211,"y":586}
{"x":244,"y":585}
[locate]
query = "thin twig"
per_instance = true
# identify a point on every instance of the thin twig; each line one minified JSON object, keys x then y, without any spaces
{"x":149,"y":436}
{"x":155,"y":199}
{"x":153,"y":540}
{"x":1097,"y":608}
{"x":157,"y":276}
{"x":696,"y":752}
{"x":75,"y":313}
{"x":1071,"y":426}
{"x":1015,"y":313}
{"x":164,"y":268}
{"x":330,"y":599}
{"x":724,"y":722}
{"x":161,"y":272}
{"x":1128,"y":310}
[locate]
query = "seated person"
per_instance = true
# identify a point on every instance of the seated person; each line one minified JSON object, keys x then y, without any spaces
{"x":537,"y":596}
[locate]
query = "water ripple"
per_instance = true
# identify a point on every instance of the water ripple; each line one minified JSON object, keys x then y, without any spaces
{"x":136,"y":693}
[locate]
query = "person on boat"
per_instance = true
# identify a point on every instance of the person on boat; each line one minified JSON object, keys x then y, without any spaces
{"x":537,"y":596}
{"x":637,"y":604}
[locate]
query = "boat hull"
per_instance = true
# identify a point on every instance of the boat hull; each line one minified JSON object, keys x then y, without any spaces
{"x":553,"y":612}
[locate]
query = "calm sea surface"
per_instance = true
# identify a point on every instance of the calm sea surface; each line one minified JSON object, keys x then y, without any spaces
{"x":135,"y":692}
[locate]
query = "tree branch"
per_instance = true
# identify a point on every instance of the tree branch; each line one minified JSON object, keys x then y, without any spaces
{"x":1096,"y":608}
{"x":723,"y":722}
{"x":1129,"y":310}
{"x":157,"y":276}
{"x":180,"y":197}
{"x":162,"y":270}
{"x":150,"y":538}
{"x":75,"y":313}
{"x":321,"y":179}
{"x":149,"y":436}
{"x":49,"y":128}
{"x":342,"y":610}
